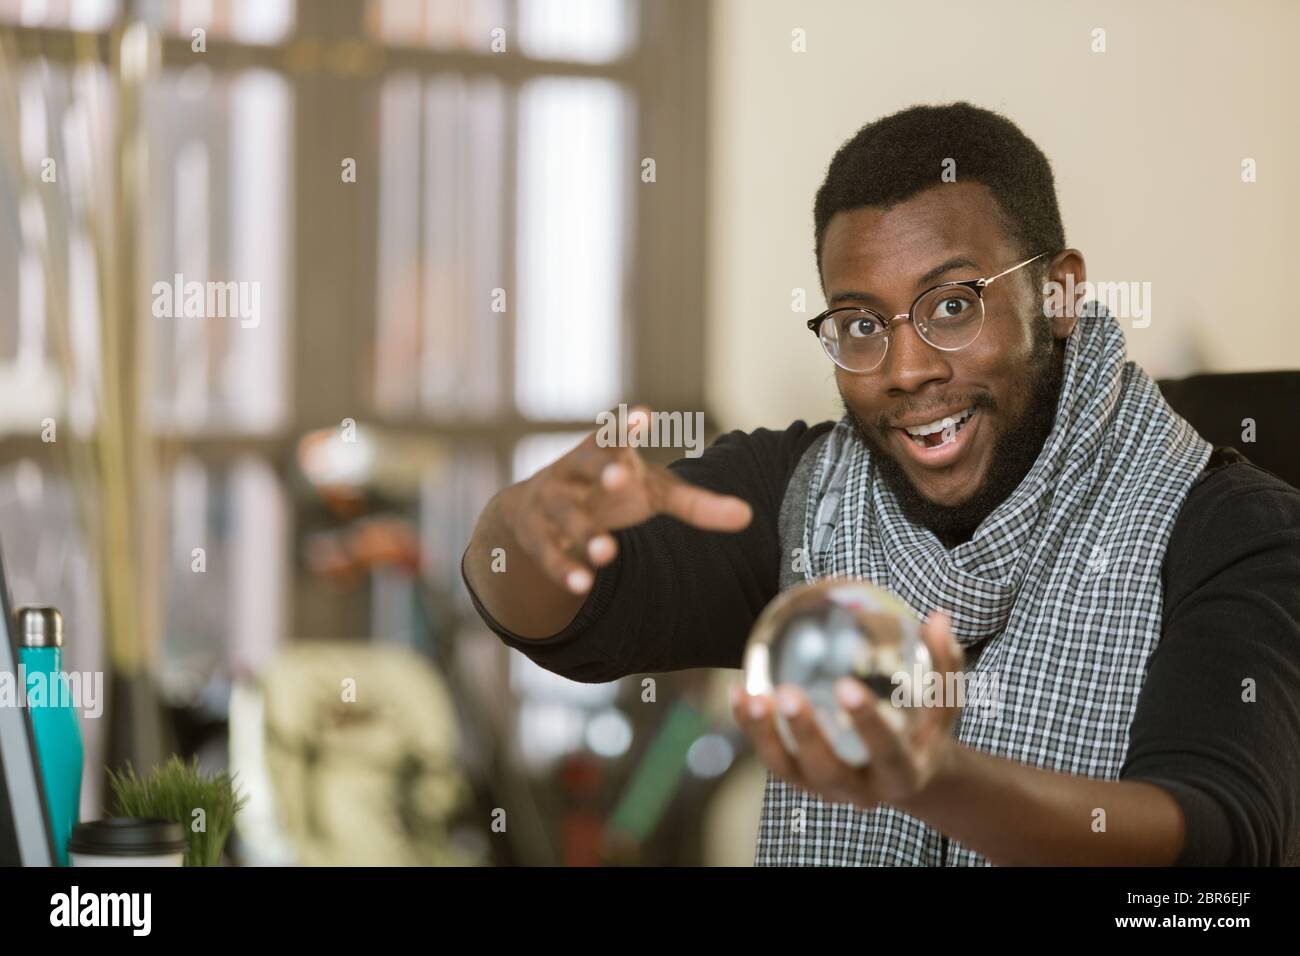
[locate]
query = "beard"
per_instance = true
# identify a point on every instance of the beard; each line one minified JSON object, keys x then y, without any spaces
{"x":1014,"y":451}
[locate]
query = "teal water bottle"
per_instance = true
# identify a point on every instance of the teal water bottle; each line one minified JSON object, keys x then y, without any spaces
{"x":54,"y":719}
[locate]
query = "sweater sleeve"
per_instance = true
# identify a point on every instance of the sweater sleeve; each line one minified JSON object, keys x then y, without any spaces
{"x":677,"y":597}
{"x":1218,"y":719}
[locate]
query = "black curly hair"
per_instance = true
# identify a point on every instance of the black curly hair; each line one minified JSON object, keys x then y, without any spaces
{"x":898,"y":156}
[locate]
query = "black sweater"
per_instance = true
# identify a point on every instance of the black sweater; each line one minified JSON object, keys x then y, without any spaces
{"x":677,"y":597}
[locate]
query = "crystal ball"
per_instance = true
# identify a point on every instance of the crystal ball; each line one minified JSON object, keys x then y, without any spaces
{"x":813,"y":634}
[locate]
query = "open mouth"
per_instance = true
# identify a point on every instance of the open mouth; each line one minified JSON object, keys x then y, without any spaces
{"x":941,"y":431}
{"x":941,"y":441}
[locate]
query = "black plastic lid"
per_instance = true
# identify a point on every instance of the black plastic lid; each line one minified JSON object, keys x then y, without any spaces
{"x":127,"y":836}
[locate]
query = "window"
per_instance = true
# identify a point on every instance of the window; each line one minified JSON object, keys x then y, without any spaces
{"x":449,"y":244}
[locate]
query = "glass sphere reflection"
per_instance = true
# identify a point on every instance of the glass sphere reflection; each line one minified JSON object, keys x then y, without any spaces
{"x":813,"y":634}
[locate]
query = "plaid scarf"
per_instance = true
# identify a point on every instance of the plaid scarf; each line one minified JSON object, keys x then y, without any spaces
{"x":1059,"y":592}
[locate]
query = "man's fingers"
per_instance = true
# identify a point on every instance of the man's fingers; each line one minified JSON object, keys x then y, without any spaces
{"x":697,"y":507}
{"x":542,"y":544}
{"x":936,"y":631}
{"x":878,"y":731}
{"x":754,"y":715}
{"x":590,"y":460}
{"x":615,"y":475}
{"x":947,"y":657}
{"x":818,"y":760}
{"x":602,"y":549}
{"x":575,"y":528}
{"x":592,"y":457}
{"x":618,"y":468}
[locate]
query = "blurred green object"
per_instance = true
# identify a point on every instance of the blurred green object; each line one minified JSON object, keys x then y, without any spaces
{"x":175,"y":791}
{"x":652,"y":786}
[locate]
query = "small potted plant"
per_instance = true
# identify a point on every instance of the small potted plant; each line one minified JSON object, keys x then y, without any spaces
{"x":205,"y":805}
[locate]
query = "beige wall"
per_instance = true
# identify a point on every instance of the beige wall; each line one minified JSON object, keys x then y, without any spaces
{"x":1146,"y":139}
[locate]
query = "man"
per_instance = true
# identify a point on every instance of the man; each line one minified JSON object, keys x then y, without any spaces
{"x":1005,"y":471}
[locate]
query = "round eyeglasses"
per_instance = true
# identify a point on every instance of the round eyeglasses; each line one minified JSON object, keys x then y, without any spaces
{"x":948,"y":317}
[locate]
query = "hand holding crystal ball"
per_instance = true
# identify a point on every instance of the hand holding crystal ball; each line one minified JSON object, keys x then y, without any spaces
{"x":814,"y":634}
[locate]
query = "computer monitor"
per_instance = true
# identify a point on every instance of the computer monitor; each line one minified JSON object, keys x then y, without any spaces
{"x":25,"y":835}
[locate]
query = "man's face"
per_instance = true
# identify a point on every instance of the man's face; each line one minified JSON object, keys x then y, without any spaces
{"x":883,"y":259}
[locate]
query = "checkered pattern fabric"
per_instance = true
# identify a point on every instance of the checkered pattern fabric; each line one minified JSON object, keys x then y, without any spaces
{"x":1062,"y":579}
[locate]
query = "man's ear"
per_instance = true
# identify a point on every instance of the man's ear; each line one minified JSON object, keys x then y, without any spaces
{"x":1063,"y":291}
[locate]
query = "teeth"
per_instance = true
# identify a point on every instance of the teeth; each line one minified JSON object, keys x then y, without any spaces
{"x":940,"y":425}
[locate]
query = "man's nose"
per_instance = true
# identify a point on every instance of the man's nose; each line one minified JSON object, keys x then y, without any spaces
{"x":911,"y":362}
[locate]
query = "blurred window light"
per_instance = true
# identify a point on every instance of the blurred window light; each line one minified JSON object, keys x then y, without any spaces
{"x":254,"y":377}
{"x":535,"y":452}
{"x":68,"y":14}
{"x":576,"y":178}
{"x":197,"y":592}
{"x":226,"y":569}
{"x":609,"y":733}
{"x":187,"y":405}
{"x":245,"y":21}
{"x":583,"y":31}
{"x":591,"y":31}
{"x":397,"y":323}
{"x":532,"y":682}
{"x":33,"y":118}
{"x":445,"y":24}
{"x":61,"y":122}
{"x":259,"y":559}
{"x":545,"y":732}
{"x":451,"y":499}
{"x":84,"y":322}
{"x":218,"y":213}
{"x":441,"y":325}
{"x":30,"y":356}
{"x":92,"y":14}
{"x":710,"y":756}
{"x":465,"y":140}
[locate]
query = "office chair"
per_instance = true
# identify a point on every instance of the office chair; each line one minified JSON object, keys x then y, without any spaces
{"x":1218,"y":404}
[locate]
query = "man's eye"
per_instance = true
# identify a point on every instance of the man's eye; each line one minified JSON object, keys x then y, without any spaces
{"x":862,"y":327}
{"x":952,"y":307}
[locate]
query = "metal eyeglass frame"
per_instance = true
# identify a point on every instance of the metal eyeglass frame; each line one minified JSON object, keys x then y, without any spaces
{"x":975,"y":285}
